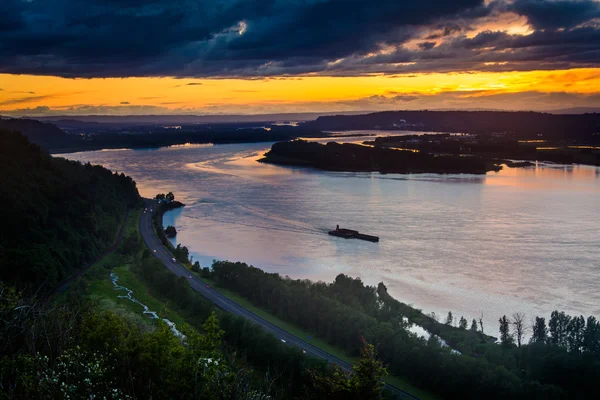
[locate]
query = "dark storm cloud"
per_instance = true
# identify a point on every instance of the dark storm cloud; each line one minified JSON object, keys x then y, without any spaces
{"x":553,"y":14}
{"x":577,"y":46}
{"x":444,"y":30}
{"x":263,"y":38}
{"x":11,"y":15}
{"x":426,"y":45}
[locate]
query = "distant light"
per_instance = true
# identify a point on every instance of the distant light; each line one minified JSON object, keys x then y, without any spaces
{"x":585,"y":147}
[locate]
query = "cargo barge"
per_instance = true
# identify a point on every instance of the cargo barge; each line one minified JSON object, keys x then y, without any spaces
{"x":352,"y":234}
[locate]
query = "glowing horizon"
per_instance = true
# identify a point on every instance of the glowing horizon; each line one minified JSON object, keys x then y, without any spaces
{"x":21,"y":94}
{"x":229,"y":56}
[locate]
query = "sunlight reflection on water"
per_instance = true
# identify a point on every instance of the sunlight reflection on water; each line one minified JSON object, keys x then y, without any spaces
{"x":517,"y":240}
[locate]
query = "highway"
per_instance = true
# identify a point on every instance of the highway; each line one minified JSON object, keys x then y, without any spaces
{"x":156,"y":247}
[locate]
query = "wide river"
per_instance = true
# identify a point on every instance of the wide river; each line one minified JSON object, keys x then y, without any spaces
{"x":520,"y":240}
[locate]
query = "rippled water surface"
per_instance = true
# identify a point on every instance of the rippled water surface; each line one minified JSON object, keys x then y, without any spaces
{"x":519,"y":240}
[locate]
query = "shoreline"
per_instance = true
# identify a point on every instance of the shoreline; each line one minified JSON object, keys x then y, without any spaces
{"x":413,"y":326}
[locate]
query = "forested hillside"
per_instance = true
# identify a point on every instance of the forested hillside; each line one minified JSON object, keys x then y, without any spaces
{"x":44,"y":134}
{"x":57,"y":214}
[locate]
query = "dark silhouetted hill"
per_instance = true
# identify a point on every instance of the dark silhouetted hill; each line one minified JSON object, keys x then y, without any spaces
{"x":44,"y":134}
{"x":522,"y":124}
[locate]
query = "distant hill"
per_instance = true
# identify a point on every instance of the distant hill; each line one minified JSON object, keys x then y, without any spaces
{"x":43,"y":134}
{"x":191,"y":119}
{"x":523,"y":124}
{"x":576,"y":110}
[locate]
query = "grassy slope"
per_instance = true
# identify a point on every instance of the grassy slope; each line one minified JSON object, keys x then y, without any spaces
{"x":101,"y":288}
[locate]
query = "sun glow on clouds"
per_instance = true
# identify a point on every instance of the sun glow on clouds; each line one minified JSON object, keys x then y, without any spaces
{"x":278,"y":94}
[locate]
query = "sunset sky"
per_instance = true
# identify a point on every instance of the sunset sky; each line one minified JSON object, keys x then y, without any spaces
{"x":72,"y":57}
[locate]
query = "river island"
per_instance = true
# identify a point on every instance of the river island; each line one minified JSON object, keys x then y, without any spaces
{"x":359,"y":158}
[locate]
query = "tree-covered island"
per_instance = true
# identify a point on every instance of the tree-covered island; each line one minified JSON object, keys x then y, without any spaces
{"x":353,"y":157}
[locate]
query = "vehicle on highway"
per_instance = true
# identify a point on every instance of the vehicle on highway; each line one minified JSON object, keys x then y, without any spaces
{"x":155,"y":250}
{"x":208,"y":286}
{"x":283,"y":341}
{"x":173,"y":259}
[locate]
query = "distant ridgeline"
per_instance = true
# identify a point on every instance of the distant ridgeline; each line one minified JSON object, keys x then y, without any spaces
{"x":44,"y":134}
{"x":82,"y":136}
{"x":85,"y":134}
{"x":352,"y":157}
{"x":57,"y":214}
{"x":523,"y":124}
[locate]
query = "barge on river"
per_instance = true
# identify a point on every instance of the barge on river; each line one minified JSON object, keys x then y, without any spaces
{"x":351,"y":234}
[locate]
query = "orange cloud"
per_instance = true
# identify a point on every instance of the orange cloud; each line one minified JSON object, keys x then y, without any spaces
{"x":310,"y":92}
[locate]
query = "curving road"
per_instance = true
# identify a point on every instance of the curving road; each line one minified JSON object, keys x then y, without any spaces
{"x":226,"y":304}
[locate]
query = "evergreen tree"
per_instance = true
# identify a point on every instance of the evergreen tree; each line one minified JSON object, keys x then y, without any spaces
{"x":558,"y":328}
{"x":505,"y":337}
{"x":367,"y":374}
{"x":212,"y":333}
{"x":449,"y":318}
{"x":576,"y":334}
{"x":540,"y":334}
{"x":196,"y":267}
{"x":591,"y":337}
{"x":182,"y":254}
{"x":463,"y":324}
{"x":474,"y":325}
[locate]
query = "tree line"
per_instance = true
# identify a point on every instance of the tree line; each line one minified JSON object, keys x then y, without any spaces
{"x":343,"y":311}
{"x":576,"y":334}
